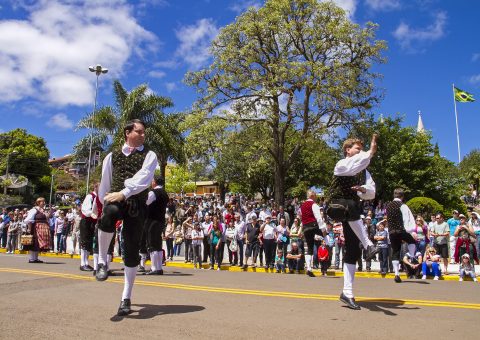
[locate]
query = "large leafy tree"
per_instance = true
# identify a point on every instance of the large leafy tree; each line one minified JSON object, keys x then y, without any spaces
{"x":28,"y":157}
{"x":162,"y":131}
{"x":292,"y":64}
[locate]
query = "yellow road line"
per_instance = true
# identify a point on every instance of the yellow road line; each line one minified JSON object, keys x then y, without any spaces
{"x":293,"y":295}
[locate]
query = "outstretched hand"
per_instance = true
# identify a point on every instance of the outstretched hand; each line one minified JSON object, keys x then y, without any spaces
{"x":114,"y":197}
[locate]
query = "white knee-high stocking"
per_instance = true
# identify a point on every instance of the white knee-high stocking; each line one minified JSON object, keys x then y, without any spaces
{"x":359,"y":230}
{"x":348,"y":277}
{"x":129,"y":276}
{"x":104,"y":240}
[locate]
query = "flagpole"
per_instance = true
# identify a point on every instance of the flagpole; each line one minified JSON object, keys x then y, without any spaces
{"x":456,"y":122}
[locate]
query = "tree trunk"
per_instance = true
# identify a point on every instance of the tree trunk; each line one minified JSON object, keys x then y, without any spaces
{"x":279,"y":184}
{"x":223,"y":190}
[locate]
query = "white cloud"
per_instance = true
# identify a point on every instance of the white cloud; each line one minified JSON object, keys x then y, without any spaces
{"x":171,"y":86}
{"x":46,"y":55}
{"x":170,"y":64}
{"x":60,"y":121}
{"x":241,"y":6}
{"x":475,"y":80}
{"x":157,"y":74}
{"x":195,"y":42}
{"x":350,"y":6}
{"x":383,"y":5}
{"x":408,"y":36}
{"x":476,"y":56}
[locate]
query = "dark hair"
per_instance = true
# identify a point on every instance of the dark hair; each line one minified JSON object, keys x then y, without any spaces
{"x":398,"y":193}
{"x":159,"y":180}
{"x":130,"y":125}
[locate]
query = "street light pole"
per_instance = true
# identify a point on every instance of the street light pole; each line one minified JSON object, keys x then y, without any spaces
{"x":51,"y":191}
{"x":98,"y":71}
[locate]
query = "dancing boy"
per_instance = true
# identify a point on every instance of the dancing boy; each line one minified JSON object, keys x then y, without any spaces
{"x":352,"y":182}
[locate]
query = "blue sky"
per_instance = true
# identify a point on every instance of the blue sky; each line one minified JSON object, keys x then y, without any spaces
{"x":47,"y":46}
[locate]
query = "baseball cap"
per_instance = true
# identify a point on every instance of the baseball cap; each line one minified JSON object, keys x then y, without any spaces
{"x":466,"y":255}
{"x":455,"y":212}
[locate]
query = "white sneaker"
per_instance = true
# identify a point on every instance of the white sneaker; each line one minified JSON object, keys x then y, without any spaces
{"x":436,"y":278}
{"x":424,"y":277}
{"x":218,"y":268}
{"x":460,"y":279}
{"x":475,"y":279}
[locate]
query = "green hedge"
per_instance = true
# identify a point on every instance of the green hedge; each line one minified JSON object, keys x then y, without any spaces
{"x":424,"y":206}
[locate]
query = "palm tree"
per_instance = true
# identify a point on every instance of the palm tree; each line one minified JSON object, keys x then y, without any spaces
{"x":162,"y":130}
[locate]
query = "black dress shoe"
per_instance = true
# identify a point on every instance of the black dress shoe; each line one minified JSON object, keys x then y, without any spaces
{"x":350,"y":302}
{"x":89,"y":267}
{"x":86,"y":268}
{"x":94,"y":272}
{"x":124,"y":308}
{"x":397,"y":279}
{"x":102,"y":272}
{"x":154,"y":272}
{"x":141,"y":269}
{"x":370,"y":252}
{"x":310,"y":273}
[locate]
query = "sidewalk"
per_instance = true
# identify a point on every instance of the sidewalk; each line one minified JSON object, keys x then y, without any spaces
{"x":178,"y":262}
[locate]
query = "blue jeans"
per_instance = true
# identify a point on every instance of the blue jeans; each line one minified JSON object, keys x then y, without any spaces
{"x":421,"y":245}
{"x":59,"y":243}
{"x":434,"y":270}
{"x":176,"y":249}
{"x":240,"y":251}
{"x":383,"y":258}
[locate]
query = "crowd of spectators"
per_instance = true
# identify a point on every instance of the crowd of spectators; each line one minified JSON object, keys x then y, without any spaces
{"x":243,"y":232}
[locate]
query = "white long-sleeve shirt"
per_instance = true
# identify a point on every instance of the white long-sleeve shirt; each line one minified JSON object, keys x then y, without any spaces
{"x":135,"y":185}
{"x":87,"y":205}
{"x":407,"y":216}
{"x":351,"y":166}
{"x":151,"y":195}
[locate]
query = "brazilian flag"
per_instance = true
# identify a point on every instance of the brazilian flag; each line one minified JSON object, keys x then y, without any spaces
{"x":462,"y":96}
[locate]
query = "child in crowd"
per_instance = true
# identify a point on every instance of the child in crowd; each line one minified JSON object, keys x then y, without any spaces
{"x":382,"y":244}
{"x":279,"y":261}
{"x":467,"y":268}
{"x":197,"y":241}
{"x":323,"y":257}
{"x":431,"y":264}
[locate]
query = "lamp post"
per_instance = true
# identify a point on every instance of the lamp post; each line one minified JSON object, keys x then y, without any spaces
{"x":14,"y":152}
{"x":98,"y":71}
{"x":51,"y":191}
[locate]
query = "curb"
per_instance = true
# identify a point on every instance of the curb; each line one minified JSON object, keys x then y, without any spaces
{"x":258,"y":269}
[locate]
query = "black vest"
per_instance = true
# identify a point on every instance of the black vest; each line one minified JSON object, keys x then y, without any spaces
{"x":124,"y":167}
{"x":341,"y":186}
{"x":156,"y":210}
{"x":394,"y":216}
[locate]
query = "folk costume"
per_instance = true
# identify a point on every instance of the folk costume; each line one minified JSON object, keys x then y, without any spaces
{"x":37,"y":226}
{"x":87,"y":228}
{"x":350,"y":172}
{"x":129,"y":171}
{"x":313,"y":224}
{"x":401,"y":224}
{"x":154,"y":228}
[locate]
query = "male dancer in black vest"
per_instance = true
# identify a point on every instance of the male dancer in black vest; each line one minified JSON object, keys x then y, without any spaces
{"x":127,"y":173}
{"x":401,"y":223}
{"x":155,"y":224}
{"x":352,"y":182}
{"x":87,"y":227}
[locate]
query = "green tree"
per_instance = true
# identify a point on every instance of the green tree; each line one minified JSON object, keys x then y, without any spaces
{"x":179,"y":180}
{"x":292,"y":64}
{"x":470,"y":167}
{"x":28,"y":156}
{"x":162,"y":131}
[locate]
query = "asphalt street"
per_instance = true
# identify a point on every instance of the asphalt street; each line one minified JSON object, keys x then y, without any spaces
{"x":55,"y":300}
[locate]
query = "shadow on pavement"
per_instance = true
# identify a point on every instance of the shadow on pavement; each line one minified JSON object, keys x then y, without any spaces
{"x":384,"y":306}
{"x":417,"y":282}
{"x":45,"y":262}
{"x":176,"y":274}
{"x":151,"y":311}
